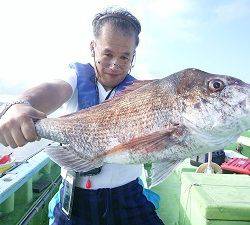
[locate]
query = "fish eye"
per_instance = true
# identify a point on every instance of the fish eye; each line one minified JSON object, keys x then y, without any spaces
{"x":216,"y":85}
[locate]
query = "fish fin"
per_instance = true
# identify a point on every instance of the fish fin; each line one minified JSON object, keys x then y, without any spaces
{"x":162,"y":170}
{"x":136,"y":85}
{"x":67,"y":157}
{"x":151,"y":142}
{"x":132,"y":87}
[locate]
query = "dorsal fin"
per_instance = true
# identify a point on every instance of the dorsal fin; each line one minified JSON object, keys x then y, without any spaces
{"x":134,"y":86}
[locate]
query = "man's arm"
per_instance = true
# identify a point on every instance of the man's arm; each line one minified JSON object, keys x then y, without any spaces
{"x":48,"y":97}
{"x":17,"y":126}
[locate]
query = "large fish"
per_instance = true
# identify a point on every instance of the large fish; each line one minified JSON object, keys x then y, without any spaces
{"x":160,"y":121}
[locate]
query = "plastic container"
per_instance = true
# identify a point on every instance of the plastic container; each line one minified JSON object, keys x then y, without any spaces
{"x":237,"y":165}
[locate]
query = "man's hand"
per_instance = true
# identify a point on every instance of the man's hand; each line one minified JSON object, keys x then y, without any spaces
{"x":17,"y":125}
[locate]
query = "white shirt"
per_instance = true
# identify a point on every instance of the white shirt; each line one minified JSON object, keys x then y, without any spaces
{"x":112,"y":175}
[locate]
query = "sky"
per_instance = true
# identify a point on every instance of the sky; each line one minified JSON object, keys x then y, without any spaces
{"x":39,"y":39}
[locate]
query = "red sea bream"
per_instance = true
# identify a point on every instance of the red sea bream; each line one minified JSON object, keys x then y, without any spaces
{"x":160,"y":121}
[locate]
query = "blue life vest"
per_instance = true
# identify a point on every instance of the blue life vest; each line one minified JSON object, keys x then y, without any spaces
{"x":88,"y":96}
{"x":86,"y":85}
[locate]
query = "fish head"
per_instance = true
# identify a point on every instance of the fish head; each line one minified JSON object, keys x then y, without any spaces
{"x":214,"y":107}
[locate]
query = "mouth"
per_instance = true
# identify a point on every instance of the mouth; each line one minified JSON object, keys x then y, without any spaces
{"x":113,"y":74}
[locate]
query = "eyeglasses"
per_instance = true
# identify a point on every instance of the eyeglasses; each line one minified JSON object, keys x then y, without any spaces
{"x":107,"y":63}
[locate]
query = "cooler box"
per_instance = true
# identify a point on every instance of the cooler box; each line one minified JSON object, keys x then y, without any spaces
{"x":216,"y":199}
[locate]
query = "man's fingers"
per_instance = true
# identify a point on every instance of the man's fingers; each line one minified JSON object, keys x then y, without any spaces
{"x":9,"y":139}
{"x":2,"y":141}
{"x":28,"y":130}
{"x":18,"y":136}
{"x":17,"y":126}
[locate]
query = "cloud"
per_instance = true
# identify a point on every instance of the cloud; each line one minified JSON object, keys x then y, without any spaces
{"x":233,"y":10}
{"x":161,"y":9}
{"x":171,"y":19}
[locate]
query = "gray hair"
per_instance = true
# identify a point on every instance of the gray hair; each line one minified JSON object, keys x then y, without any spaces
{"x":120,"y":19}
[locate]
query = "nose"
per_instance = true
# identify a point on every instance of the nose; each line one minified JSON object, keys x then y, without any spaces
{"x":114,"y":64}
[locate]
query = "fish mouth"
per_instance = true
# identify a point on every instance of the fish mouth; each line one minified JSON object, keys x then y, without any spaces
{"x":246,"y":107}
{"x":247,"y":101}
{"x":245,"y":121}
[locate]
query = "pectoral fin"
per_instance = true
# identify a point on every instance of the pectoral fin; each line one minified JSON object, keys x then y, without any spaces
{"x":68,"y":158}
{"x":162,"y":170}
{"x":151,"y":142}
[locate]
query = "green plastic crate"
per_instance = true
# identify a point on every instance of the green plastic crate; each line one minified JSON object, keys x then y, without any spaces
{"x":217,"y":199}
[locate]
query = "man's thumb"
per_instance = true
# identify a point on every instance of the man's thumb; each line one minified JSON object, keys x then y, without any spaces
{"x":36,"y":114}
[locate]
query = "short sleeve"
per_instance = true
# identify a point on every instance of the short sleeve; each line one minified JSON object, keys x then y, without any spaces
{"x":69,"y":76}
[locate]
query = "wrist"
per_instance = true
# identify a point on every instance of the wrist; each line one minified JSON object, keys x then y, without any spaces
{"x":6,"y":106}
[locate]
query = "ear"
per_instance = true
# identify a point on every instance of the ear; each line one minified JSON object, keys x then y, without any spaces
{"x":133,"y":60}
{"x":92,"y":44}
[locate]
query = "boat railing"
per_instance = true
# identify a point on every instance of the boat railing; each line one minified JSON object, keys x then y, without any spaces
{"x":26,"y":189}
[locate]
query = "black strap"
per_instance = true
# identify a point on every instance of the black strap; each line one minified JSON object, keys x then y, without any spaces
{"x":107,"y":97}
{"x":91,"y":172}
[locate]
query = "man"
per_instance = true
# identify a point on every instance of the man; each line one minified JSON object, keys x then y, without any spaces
{"x":110,"y":195}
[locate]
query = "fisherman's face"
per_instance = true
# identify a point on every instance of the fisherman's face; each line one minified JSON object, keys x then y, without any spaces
{"x":113,"y":55}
